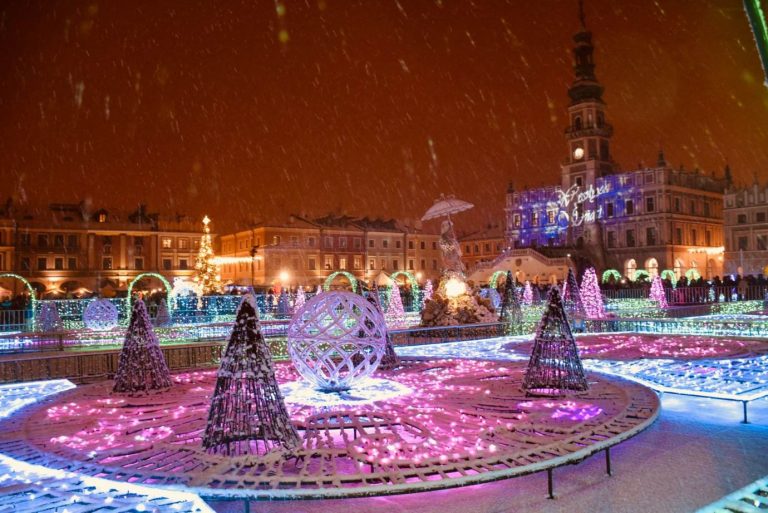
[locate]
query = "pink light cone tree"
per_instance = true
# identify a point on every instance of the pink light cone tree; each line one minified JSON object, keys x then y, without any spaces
{"x":591,"y":297}
{"x":657,"y":292}
{"x":395,"y":315}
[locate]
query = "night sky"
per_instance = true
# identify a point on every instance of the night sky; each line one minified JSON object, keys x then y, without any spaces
{"x":250,"y":109}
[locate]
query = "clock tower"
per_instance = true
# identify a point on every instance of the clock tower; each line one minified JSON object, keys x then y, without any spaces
{"x":588,"y":135}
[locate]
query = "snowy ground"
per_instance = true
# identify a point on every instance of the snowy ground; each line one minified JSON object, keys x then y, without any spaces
{"x":694,"y":454}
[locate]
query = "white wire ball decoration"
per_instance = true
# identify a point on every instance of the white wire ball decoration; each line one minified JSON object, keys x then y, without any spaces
{"x":335,"y":339}
{"x":100,"y":315}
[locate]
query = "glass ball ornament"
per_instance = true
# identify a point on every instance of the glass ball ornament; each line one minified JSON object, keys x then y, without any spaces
{"x":100,"y":315}
{"x":335,"y":339}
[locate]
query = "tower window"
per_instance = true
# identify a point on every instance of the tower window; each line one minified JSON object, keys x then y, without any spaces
{"x":577,"y":123}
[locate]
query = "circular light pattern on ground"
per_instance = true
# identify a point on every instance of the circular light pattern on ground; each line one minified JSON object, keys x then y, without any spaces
{"x":463,"y":422}
{"x":627,"y":346}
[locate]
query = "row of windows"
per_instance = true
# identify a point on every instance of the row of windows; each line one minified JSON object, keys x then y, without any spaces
{"x":760,"y":243}
{"x":758,"y":218}
{"x":44,"y":240}
{"x":181,"y":243}
{"x":475,"y":248}
{"x":43,"y":265}
{"x":342,"y":242}
{"x":329,"y":264}
{"x":652,"y":239}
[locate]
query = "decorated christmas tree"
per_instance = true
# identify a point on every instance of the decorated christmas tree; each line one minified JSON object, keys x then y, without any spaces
{"x":591,"y":297}
{"x":527,"y":294}
{"x":162,"y":318}
{"x":426,"y":295}
{"x":395,"y":315}
{"x":301,"y":298}
{"x":141,"y":366}
{"x":511,"y":313}
{"x":555,"y":367}
{"x":48,"y":319}
{"x":572,"y":295}
{"x":207,"y":279}
{"x":657,"y":292}
{"x":247,"y":414}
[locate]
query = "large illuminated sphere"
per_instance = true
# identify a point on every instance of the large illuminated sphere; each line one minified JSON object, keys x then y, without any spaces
{"x":335,"y":339}
{"x":100,"y":314}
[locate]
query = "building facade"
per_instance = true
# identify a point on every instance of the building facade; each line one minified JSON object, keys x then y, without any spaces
{"x":68,"y":249}
{"x":482,"y":246}
{"x":746,"y":230}
{"x":306,"y":252}
{"x":652,"y":219}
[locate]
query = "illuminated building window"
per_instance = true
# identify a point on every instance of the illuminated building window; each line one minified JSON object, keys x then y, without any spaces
{"x":328,"y":261}
{"x":741,"y":219}
{"x":167,"y":264}
{"x":423,"y":245}
{"x":342,"y":242}
{"x":410,"y":265}
{"x":311,"y":264}
{"x":357,"y":263}
{"x":650,"y":236}
{"x":550,"y":217}
{"x":102,"y":218}
{"x":371,"y":243}
{"x":372,"y":264}
{"x":183,"y":243}
{"x":58,"y":264}
{"x":762,"y":242}
{"x":609,"y":209}
{"x":106,"y":263}
{"x":397,"y":244}
{"x":410,"y":244}
{"x":183,"y":264}
{"x":650,"y":204}
{"x":385,"y":244}
{"x":276,"y":240}
{"x":342,"y":263}
{"x":630,"y":238}
{"x":535,"y":219}
{"x":166,"y":242}
{"x":629,"y":207}
{"x":196,"y":244}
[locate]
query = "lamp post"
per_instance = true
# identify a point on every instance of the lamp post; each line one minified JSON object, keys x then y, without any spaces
{"x":254,"y":253}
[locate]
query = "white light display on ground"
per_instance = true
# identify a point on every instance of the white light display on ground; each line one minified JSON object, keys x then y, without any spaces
{"x":100,"y":314}
{"x":335,"y":339}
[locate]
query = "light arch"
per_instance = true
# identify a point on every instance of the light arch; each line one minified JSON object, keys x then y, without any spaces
{"x":334,"y":275}
{"x":168,"y":290}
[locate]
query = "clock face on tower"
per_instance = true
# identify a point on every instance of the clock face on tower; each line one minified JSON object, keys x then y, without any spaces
{"x":578,"y":153}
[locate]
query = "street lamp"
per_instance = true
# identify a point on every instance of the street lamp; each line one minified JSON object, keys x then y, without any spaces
{"x":254,"y":253}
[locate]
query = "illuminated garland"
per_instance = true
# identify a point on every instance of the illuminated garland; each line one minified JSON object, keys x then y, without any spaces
{"x":332,"y":276}
{"x":168,"y":290}
{"x":611,"y":273}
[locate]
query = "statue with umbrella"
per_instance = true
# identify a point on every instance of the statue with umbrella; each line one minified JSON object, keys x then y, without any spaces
{"x":449,"y":245}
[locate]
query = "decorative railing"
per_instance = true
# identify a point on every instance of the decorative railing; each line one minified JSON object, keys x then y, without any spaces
{"x":520,"y":253}
{"x":693,"y":295}
{"x":696,"y":326}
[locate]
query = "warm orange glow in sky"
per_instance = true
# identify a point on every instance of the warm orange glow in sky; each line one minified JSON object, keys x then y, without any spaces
{"x":244,"y":110}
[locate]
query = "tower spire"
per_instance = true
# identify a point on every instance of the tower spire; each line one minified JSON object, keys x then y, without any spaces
{"x":582,"y":18}
{"x":585,"y":86}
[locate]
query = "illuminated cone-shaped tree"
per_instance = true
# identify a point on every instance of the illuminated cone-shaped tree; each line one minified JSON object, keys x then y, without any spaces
{"x":657,"y":292}
{"x":48,"y":319}
{"x":163,"y":318}
{"x":319,"y":289}
{"x":207,"y":279}
{"x":572,"y":295}
{"x":301,"y":298}
{"x":555,"y":367}
{"x":426,"y":294}
{"x":395,"y":314}
{"x":511,"y":313}
{"x":536,"y":294}
{"x":141,"y":366}
{"x":591,"y":297}
{"x":527,"y":294}
{"x":247,"y":414}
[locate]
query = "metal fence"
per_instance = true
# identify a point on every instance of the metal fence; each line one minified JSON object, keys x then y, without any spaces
{"x":693,"y":295}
